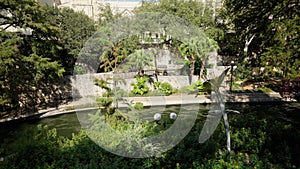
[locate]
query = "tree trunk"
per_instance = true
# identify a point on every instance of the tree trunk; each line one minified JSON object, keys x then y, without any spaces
{"x":202,"y":68}
{"x":192,"y":67}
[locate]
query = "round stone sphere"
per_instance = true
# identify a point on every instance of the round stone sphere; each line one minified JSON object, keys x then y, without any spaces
{"x":157,"y":116}
{"x":173,"y":116}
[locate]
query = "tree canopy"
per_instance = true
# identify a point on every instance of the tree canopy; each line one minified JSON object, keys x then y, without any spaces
{"x":195,"y":12}
{"x":267,"y":34}
{"x":38,"y":44}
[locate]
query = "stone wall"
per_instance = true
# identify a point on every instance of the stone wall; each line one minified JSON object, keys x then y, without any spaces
{"x":83,"y":85}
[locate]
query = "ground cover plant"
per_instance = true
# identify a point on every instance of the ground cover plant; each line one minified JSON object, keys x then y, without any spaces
{"x":256,"y":143}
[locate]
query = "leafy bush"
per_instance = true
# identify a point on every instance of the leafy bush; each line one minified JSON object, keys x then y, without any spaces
{"x":164,"y":87}
{"x":104,"y":101}
{"x":200,"y":88}
{"x":140,"y":87}
{"x":257,"y":142}
{"x":139,"y":106}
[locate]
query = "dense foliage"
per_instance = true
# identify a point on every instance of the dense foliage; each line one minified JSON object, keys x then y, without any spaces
{"x":28,"y":56}
{"x":262,"y":37}
{"x":38,"y":45}
{"x":195,"y":12}
{"x":291,"y":89}
{"x":164,"y":87}
{"x":202,"y":15}
{"x":264,"y":34}
{"x":256,"y":142}
{"x":200,"y":88}
{"x":140,"y":88}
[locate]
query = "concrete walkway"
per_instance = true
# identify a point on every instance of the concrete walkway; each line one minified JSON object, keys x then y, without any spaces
{"x":203,"y":99}
{"x":89,"y":104}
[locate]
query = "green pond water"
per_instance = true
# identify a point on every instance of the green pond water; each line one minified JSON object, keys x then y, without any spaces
{"x":66,"y":124}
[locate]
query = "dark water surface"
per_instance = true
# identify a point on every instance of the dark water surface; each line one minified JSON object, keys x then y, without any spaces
{"x":67,"y":124}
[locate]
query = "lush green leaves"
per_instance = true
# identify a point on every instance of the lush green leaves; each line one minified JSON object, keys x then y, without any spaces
{"x":267,"y":33}
{"x":38,"y":44}
{"x":255,"y":145}
{"x":164,"y":87}
{"x":23,"y":64}
{"x":195,"y":12}
{"x":140,"y":87}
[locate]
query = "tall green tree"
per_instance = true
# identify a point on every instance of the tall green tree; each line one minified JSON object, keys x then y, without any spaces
{"x":282,"y":58}
{"x":29,"y":52}
{"x":186,"y":50}
{"x":75,"y":28}
{"x":114,"y":53}
{"x":106,"y":14}
{"x":267,"y":34}
{"x":140,"y":59}
{"x":198,"y":49}
{"x":195,"y":12}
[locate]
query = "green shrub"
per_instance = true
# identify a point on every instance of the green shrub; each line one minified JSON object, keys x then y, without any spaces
{"x":257,"y":142}
{"x":140,"y":87}
{"x":199,"y":88}
{"x":139,"y":106}
{"x":104,"y":101}
{"x":207,"y":87}
{"x":164,"y":87}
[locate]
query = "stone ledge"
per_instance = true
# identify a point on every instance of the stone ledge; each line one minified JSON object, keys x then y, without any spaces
{"x":203,"y":99}
{"x":155,"y":101}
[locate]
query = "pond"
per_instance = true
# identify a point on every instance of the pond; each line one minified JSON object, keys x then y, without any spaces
{"x":66,"y":124}
{"x":285,"y":113}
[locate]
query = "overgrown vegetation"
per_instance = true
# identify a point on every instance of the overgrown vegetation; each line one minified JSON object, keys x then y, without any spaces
{"x":140,"y":88}
{"x":198,"y":87}
{"x":256,"y":143}
{"x":164,"y":87}
{"x":39,"y":45}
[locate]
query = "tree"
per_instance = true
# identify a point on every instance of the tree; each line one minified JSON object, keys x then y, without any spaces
{"x":195,"y":12}
{"x":112,"y":54}
{"x":139,"y":60}
{"x":112,"y":57}
{"x":186,"y":50}
{"x":75,"y":28}
{"x":282,"y":59}
{"x":267,"y":33}
{"x":29,"y":55}
{"x":197,"y":49}
{"x":38,"y":44}
{"x":106,"y":15}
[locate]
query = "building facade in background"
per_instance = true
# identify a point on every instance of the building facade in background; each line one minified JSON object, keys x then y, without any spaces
{"x":92,"y":7}
{"x":124,"y":7}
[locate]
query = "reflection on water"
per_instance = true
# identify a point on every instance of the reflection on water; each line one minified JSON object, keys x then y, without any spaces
{"x":289,"y":112}
{"x":68,"y":123}
{"x":65,"y":124}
